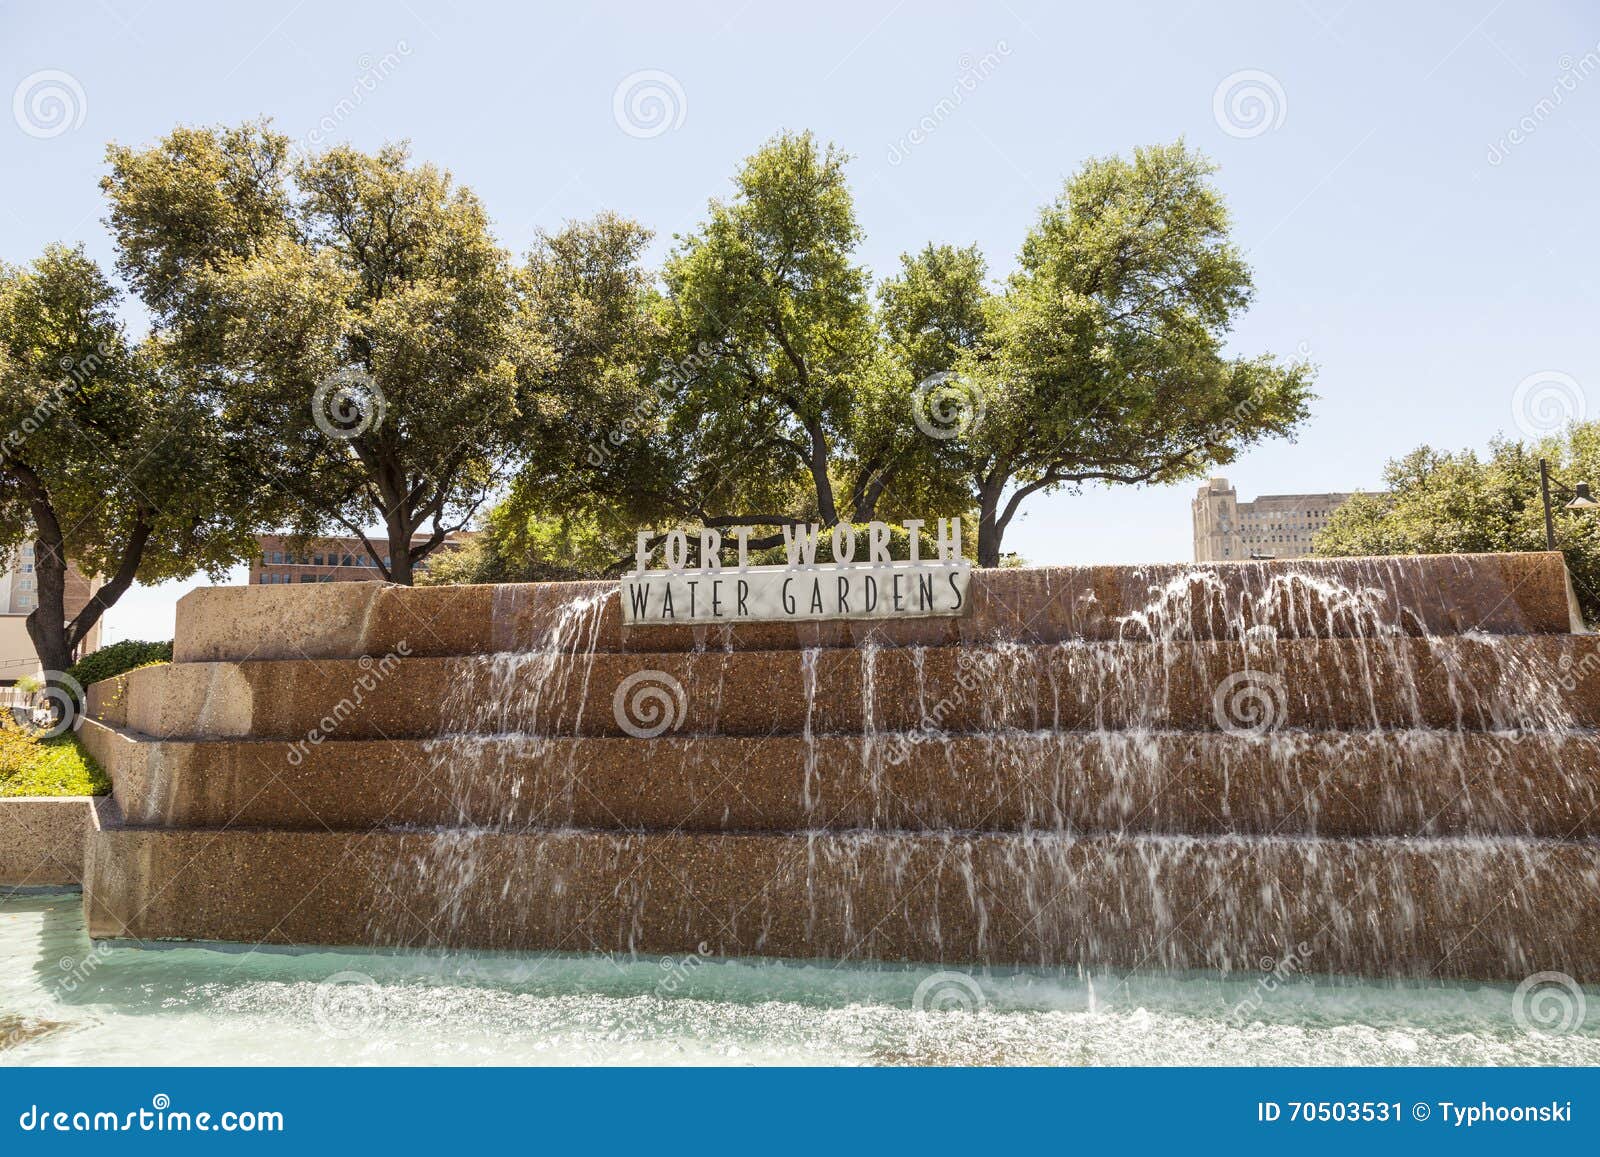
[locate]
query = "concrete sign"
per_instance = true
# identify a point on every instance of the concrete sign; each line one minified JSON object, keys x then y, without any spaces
{"x":802,"y":589}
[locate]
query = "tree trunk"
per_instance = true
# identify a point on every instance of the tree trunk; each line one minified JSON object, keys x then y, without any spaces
{"x":400,"y":568}
{"x":47,"y":625}
{"x":990,"y":529}
{"x":818,"y":465}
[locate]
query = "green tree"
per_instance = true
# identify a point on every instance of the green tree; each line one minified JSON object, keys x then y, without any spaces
{"x":1443,"y":502}
{"x":931,"y":313}
{"x":770,"y":340}
{"x":356,"y":315}
{"x":605,"y":460}
{"x":1103,"y":358}
{"x":110,"y":457}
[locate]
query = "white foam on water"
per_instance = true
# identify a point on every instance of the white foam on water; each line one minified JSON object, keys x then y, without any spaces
{"x":76,"y":1003}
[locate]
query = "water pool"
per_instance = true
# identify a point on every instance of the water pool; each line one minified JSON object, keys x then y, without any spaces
{"x":64,"y":1000}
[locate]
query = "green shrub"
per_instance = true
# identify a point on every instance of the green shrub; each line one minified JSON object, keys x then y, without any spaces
{"x":117,"y":658}
{"x":55,"y":766}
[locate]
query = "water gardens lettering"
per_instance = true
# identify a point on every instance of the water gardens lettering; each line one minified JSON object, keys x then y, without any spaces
{"x":875,"y":587}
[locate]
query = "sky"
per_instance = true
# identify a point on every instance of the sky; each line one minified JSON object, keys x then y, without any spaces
{"x":1413,"y":185}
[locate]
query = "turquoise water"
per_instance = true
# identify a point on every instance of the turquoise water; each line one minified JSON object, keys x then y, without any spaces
{"x":64,"y":1000}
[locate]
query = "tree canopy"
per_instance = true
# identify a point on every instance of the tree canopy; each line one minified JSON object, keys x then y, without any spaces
{"x":1461,"y":502}
{"x":1104,"y":355}
{"x":369,"y":353}
{"x":354,"y":313}
{"x":779,"y":386}
{"x":112,"y":458}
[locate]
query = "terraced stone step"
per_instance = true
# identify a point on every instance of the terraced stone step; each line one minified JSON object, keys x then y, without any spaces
{"x":1484,"y":909}
{"x":1293,"y":783}
{"x":1476,"y":682}
{"x":1439,"y":595}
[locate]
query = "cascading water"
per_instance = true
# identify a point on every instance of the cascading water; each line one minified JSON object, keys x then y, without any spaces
{"x":1161,"y":786}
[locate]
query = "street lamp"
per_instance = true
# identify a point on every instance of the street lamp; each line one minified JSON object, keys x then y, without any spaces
{"x":1581,"y":500}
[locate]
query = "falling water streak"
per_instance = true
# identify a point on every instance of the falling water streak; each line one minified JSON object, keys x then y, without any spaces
{"x":1124,"y":719}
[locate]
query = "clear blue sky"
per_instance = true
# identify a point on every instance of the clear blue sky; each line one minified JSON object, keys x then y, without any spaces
{"x":1399,"y":238}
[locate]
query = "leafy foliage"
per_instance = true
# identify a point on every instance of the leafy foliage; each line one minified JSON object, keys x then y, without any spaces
{"x":111,"y":457}
{"x":55,"y":766}
{"x":778,"y":387}
{"x":1104,"y":358}
{"x":118,"y":658}
{"x":355,"y":314}
{"x":1443,"y":502}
